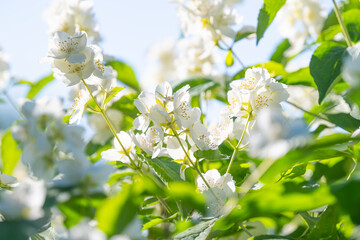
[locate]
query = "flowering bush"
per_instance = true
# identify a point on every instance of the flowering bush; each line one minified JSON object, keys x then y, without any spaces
{"x":158,"y":167}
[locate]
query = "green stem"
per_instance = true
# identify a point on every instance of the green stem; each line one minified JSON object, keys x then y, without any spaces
{"x":112,"y":129}
{"x":255,"y":176}
{"x":193,"y":164}
{"x":108,"y":122}
{"x":238,"y":145}
{"x":245,"y":230}
{"x":306,"y":111}
{"x":341,"y":22}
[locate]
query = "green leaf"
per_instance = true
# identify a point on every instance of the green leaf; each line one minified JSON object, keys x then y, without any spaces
{"x":272,"y":237}
{"x":278,"y":198}
{"x":166,"y":169}
{"x":187,"y":194}
{"x":76,"y":208}
{"x":267,"y":15}
{"x":310,"y":221}
{"x":198,"y":232}
{"x":299,"y":77}
{"x":348,"y":196}
{"x":126,"y":105}
{"x":117,"y":212}
{"x":278,"y":55}
{"x":125,"y":74}
{"x":351,"y":20}
{"x":197,"y":85}
{"x":325,"y":66}
{"x":10,"y":154}
{"x":211,"y":155}
{"x":244,"y":33}
{"x":37,"y":86}
{"x":23,"y":229}
{"x":344,"y":121}
{"x":113,"y":93}
{"x":325,"y":227}
{"x":229,"y":60}
{"x":153,"y":223}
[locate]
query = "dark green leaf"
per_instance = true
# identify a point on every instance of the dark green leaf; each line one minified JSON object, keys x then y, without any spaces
{"x":348,"y":196}
{"x":166,"y":169}
{"x":37,"y":86}
{"x":325,"y":227}
{"x":344,"y":121}
{"x":125,"y":74}
{"x":267,"y":15}
{"x":10,"y":154}
{"x":299,"y":77}
{"x":325,"y":66}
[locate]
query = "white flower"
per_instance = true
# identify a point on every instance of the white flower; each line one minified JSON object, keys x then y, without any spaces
{"x":78,"y":107}
{"x":80,"y":171}
{"x":150,"y":109}
{"x":24,"y":201}
{"x":72,"y":16}
{"x":63,"y":46}
{"x":97,"y":122}
{"x":298,"y":20}
{"x":4,"y":70}
{"x":274,"y":135}
{"x":118,"y":153}
{"x":211,"y":138}
{"x":222,"y":186}
{"x":184,"y":115}
{"x":151,"y":142}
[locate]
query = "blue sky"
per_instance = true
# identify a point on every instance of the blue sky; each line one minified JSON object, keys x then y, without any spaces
{"x":128,"y":29}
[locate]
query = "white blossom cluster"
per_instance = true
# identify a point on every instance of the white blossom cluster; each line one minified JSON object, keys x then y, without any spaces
{"x":247,"y":97}
{"x":72,"y":16}
{"x":176,"y":61}
{"x":54,"y":152}
{"x":211,"y":20}
{"x":298,"y":20}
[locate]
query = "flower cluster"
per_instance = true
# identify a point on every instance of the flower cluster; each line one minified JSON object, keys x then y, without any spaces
{"x":256,"y":92}
{"x":298,"y":20}
{"x":208,"y":19}
{"x":186,"y":58}
{"x":54,"y":152}
{"x":72,"y":16}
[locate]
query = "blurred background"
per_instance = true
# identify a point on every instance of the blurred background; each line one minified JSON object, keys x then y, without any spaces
{"x":128,"y":30}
